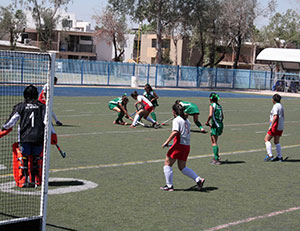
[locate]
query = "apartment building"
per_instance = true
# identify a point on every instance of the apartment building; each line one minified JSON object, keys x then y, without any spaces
{"x":72,"y":39}
{"x":148,"y":53}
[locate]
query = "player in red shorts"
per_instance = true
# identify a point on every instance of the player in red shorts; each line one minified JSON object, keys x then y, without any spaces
{"x":147,"y":107}
{"x":179,"y":150}
{"x":275,"y":130}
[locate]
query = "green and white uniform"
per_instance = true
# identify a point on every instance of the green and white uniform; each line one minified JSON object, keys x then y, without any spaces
{"x":189,"y":108}
{"x":114,"y":103}
{"x":151,"y":96}
{"x":217,"y":120}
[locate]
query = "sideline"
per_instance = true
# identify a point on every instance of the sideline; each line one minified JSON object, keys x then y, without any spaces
{"x":252,"y":219}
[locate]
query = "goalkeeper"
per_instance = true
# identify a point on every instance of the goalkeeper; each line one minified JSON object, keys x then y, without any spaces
{"x":119,"y":105}
{"x":191,"y":109}
{"x":31,"y":114}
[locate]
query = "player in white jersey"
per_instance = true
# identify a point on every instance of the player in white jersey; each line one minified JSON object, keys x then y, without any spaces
{"x":179,"y":150}
{"x":275,"y":130}
{"x":42,"y":99}
{"x":144,"y":111}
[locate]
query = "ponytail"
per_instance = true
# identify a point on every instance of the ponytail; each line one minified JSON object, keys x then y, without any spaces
{"x":134,"y":94}
{"x":214,"y":97}
{"x":179,"y":110}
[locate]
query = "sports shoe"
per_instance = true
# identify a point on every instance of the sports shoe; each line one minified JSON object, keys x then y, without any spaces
{"x":268,"y":158}
{"x":200,"y":184}
{"x":58,"y":123}
{"x":156,"y":126}
{"x":166,"y":188}
{"x":216,"y":162}
{"x":277,"y":159}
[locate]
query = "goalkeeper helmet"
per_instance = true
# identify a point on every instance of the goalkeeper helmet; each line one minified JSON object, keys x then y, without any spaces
{"x":30,"y":92}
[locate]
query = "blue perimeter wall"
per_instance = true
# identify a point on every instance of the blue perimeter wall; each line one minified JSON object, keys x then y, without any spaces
{"x":115,"y":92}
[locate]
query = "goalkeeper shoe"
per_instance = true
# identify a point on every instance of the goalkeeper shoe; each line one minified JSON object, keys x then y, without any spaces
{"x":268,"y":158}
{"x":167,"y":188}
{"x":58,"y":123}
{"x":200,"y":184}
{"x":277,"y":159}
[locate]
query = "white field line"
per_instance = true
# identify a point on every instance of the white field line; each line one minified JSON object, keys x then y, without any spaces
{"x":252,"y":219}
{"x":153,"y":161}
{"x":155,"y":130}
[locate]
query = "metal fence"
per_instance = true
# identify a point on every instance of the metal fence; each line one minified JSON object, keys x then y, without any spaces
{"x":83,"y":72}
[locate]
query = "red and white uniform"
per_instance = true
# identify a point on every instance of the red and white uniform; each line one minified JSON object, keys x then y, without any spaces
{"x":278,"y":126}
{"x":148,"y":105}
{"x":181,"y":143}
{"x":42,"y":97}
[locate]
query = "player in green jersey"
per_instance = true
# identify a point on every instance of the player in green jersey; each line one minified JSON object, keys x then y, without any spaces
{"x":119,"y":105}
{"x":152,"y":96}
{"x":216,"y":116}
{"x":191,"y":109}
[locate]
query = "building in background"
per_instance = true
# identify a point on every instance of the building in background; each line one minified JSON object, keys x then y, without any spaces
{"x":72,"y":39}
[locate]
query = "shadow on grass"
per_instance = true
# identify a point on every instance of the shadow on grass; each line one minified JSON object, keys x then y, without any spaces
{"x":61,"y":228}
{"x":291,"y":160}
{"x":68,"y":125}
{"x":195,"y":189}
{"x":65,"y":183}
{"x":232,"y":162}
{"x":54,"y":226}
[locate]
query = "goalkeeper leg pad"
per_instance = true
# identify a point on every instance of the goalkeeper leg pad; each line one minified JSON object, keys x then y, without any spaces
{"x":27,"y":170}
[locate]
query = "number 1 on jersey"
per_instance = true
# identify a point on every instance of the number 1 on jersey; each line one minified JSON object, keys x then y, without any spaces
{"x":32,"y":119}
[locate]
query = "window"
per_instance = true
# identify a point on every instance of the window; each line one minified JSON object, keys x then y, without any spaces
{"x":153,"y":43}
{"x":86,"y":38}
{"x":165,"y":43}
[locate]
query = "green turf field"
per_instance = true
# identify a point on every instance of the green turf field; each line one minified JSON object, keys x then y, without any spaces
{"x":127,"y":166}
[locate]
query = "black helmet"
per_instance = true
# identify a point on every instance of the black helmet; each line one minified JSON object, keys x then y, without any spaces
{"x":30,"y":92}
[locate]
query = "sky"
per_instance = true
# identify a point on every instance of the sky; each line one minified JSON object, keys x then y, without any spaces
{"x":84,"y":9}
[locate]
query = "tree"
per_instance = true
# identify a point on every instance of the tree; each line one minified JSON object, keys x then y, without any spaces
{"x":13,"y":21}
{"x":45,"y":15}
{"x":158,"y":12}
{"x":282,"y":30}
{"x":111,"y":26}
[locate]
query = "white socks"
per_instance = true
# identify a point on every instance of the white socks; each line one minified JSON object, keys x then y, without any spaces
{"x":151,"y":120}
{"x":278,"y":150}
{"x":135,"y":120}
{"x":168,"y":175}
{"x":190,"y":173}
{"x":269,"y":148}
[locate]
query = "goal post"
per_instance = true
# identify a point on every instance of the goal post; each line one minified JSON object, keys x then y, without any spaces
{"x":23,"y":207}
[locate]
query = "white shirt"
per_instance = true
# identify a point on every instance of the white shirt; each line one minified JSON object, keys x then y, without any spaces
{"x":144,"y":100}
{"x":183,"y":127}
{"x":279,"y":111}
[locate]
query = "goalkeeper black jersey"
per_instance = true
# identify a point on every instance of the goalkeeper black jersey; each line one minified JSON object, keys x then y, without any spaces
{"x":31,"y":116}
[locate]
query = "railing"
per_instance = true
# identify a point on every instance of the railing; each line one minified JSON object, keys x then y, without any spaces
{"x":83,"y":72}
{"x":113,"y":73}
{"x":72,"y":47}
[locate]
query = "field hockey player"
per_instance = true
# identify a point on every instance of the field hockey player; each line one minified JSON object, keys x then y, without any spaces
{"x":119,"y":105}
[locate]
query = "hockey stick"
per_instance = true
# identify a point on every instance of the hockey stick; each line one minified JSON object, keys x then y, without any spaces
{"x":144,"y":125}
{"x":164,"y":123}
{"x":132,"y":114}
{"x":63,"y":154}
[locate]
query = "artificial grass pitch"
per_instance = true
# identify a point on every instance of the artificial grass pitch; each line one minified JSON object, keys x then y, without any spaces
{"x":127,"y":166}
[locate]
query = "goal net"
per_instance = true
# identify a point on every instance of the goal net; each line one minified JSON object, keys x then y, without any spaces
{"x":23,"y":207}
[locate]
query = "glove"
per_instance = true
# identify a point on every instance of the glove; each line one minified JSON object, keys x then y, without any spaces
{"x":5,"y":132}
{"x":53,"y":138}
